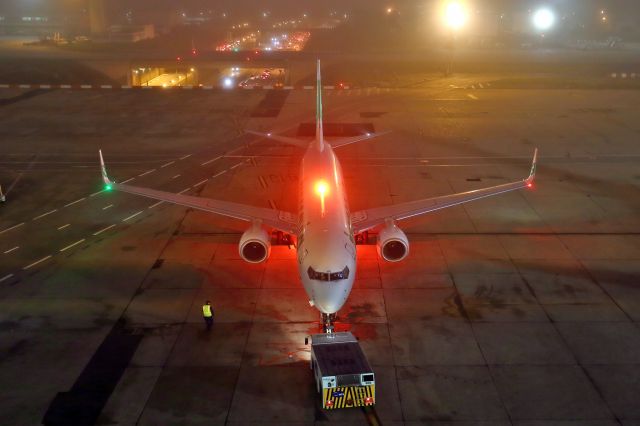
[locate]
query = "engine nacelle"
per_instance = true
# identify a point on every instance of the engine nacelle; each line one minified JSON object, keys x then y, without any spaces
{"x":392,"y":244}
{"x":255,"y":245}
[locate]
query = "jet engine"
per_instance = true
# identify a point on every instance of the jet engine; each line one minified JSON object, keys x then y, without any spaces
{"x":255,"y":244}
{"x":392,"y":244}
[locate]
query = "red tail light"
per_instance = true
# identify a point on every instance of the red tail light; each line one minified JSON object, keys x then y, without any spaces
{"x":368,"y":400}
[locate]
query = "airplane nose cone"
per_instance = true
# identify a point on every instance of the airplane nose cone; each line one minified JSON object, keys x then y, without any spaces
{"x":330,"y":297}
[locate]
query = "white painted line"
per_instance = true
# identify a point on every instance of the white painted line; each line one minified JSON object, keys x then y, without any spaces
{"x":218,"y":174}
{"x":37,"y":262}
{"x":189,"y":87}
{"x":132,"y":216}
{"x":329,"y":87}
{"x":103,"y":230}
{"x":475,"y":98}
{"x":167,"y":164}
{"x":147,"y":87}
{"x":4,"y":86}
{"x":236,"y":165}
{"x":13,"y":249}
{"x":128,"y":180}
{"x":239,"y":148}
{"x":64,"y":226}
{"x":107,"y":207}
{"x":72,"y":245}
{"x":200,"y":183}
{"x":125,"y":87}
{"x":45,"y":86}
{"x":45,"y":214}
{"x":76,"y":201}
{"x":288,"y":87}
{"x":207,"y":87}
{"x":86,"y":86}
{"x":156,"y":204}
{"x":184,"y":190}
{"x":24,"y":86}
{"x":96,"y":193}
{"x":481,"y":86}
{"x":175,"y":177}
{"x":263,"y":182}
{"x":65,"y":86}
{"x":307,"y":87}
{"x":211,"y":161}
{"x":273,"y":205}
{"x":13,"y":227}
{"x":6,"y":277}
{"x":106,"y":86}
{"x":185,"y":156}
{"x":147,"y":172}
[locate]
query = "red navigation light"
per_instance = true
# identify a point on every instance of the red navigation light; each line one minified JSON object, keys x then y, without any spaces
{"x":178,"y":58}
{"x":530,"y":185}
{"x":329,"y":403}
{"x":194,"y":52}
{"x":321,"y":188}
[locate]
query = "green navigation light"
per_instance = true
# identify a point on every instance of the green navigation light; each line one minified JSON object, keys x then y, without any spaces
{"x":108,"y":187}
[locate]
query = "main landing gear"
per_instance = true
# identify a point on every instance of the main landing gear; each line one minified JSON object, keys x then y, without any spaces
{"x":327,"y":323}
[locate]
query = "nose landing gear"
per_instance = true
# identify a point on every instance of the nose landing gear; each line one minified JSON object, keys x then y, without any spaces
{"x":327,"y":322}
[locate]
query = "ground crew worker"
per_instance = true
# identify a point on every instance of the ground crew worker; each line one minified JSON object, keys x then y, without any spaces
{"x":207,"y":313}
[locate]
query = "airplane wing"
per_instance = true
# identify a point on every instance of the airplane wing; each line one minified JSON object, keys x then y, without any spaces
{"x":336,"y":143}
{"x":280,"y":220}
{"x":366,"y":219}
{"x":284,"y":139}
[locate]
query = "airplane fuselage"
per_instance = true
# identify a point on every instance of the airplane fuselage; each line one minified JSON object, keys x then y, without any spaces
{"x":326,"y":247}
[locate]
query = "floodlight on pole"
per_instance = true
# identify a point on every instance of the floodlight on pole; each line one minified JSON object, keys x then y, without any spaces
{"x":543,"y":19}
{"x":455,"y":15}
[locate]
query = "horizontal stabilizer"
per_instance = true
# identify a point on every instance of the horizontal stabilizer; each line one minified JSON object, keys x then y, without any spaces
{"x":335,"y":143}
{"x":284,"y":139}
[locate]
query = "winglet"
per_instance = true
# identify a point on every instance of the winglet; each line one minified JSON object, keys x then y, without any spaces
{"x":532,"y":173}
{"x":103,"y":170}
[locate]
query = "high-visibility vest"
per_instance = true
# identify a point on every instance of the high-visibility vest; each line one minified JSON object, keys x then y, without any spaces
{"x":206,"y":311}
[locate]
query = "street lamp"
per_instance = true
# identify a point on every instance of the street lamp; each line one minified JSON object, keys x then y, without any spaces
{"x":543,"y":19}
{"x":455,"y":15}
{"x":455,"y":18}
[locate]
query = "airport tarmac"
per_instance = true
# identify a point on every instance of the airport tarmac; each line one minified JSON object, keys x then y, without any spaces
{"x":521,"y":309}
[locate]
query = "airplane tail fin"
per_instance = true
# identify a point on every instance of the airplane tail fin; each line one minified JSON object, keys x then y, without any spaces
{"x":319,"y":132}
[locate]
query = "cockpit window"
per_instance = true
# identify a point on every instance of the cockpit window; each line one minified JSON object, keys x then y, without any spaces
{"x":328,"y":276}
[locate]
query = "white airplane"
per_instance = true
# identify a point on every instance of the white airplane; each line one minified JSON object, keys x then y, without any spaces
{"x":324,"y":227}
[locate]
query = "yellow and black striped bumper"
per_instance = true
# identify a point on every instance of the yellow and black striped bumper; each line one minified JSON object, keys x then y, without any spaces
{"x":348,"y":396}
